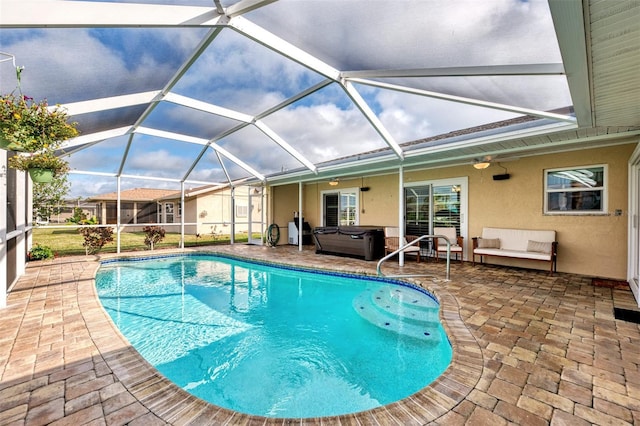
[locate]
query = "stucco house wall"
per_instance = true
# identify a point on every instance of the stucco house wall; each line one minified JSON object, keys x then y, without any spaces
{"x":594,"y":245}
{"x":206,"y":210}
{"x":213,"y":211}
{"x":284,"y":201}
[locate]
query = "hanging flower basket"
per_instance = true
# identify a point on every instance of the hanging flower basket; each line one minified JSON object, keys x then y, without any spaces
{"x":46,"y":160}
{"x":41,"y":175}
{"x":8,"y":144}
{"x":30,"y":126}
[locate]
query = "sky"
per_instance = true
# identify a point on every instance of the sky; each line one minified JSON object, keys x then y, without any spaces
{"x":67,"y":65}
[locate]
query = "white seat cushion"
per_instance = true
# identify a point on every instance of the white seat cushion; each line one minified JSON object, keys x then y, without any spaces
{"x":521,"y":254}
{"x":517,"y":239}
{"x":454,"y":247}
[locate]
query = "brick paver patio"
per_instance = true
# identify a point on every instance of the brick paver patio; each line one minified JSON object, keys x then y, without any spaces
{"x":529,"y":349}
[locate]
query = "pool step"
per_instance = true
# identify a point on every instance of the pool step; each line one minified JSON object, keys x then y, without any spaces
{"x":402,"y":310}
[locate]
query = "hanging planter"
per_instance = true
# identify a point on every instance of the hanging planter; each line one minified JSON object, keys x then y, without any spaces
{"x":41,"y":175}
{"x":37,"y":163}
{"x":8,"y":144}
{"x":30,"y":126}
{"x":36,"y":131}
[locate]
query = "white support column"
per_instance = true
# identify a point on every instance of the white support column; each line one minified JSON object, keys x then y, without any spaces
{"x":117,"y":216}
{"x":24,"y":221}
{"x":249,"y":216}
{"x":400,"y":213}
{"x":3,"y":230}
{"x":300,"y":216}
{"x":232,"y":238}
{"x":181,"y":209}
{"x":103,"y":213}
{"x":135,"y":212}
{"x":29,"y":206}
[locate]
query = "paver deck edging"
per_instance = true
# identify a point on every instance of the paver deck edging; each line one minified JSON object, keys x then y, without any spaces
{"x":172,"y":404}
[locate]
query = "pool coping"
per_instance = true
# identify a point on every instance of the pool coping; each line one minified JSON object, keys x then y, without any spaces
{"x":174,"y":405}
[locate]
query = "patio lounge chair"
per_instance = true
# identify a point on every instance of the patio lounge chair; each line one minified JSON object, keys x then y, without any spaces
{"x":441,"y":246}
{"x":392,"y":242}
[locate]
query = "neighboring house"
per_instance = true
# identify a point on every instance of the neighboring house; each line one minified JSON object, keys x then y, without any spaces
{"x":206,"y":210}
{"x":137,"y":206}
{"x":67,"y":210}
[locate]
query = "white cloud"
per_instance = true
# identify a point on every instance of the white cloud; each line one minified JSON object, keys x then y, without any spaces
{"x":76,"y":64}
{"x":167,"y":163}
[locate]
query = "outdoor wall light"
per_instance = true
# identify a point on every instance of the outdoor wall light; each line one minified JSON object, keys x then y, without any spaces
{"x":333,"y":182}
{"x":481,"y":165}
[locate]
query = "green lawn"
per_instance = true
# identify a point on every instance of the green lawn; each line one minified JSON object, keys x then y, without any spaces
{"x":67,"y":242}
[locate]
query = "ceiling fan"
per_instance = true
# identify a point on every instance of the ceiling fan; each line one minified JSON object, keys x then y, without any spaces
{"x":487,"y":160}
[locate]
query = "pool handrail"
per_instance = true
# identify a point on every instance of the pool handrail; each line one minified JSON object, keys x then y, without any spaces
{"x":423,"y":237}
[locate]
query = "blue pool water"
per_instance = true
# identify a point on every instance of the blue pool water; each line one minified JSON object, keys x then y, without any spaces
{"x":273,"y":341}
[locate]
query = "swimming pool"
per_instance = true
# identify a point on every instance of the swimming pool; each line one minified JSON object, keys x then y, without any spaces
{"x":276,"y":342}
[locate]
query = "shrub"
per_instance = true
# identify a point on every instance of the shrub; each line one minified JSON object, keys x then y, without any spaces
{"x":78,"y":216}
{"x":39,"y":252}
{"x":95,"y":238}
{"x":81,"y":218}
{"x":155,"y":234}
{"x":90,"y":221}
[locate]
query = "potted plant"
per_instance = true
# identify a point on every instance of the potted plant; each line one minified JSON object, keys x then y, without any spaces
{"x":42,"y":166}
{"x":30,"y":126}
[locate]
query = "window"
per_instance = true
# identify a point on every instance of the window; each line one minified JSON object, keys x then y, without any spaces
{"x":575,"y":191}
{"x":168,"y":212}
{"x":242,"y":210}
{"x":348,"y":208}
{"x":147,"y":213}
{"x":340,"y":208}
{"x":432,"y":204}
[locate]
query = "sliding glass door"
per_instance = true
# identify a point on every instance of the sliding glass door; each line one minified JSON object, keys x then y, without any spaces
{"x":433,"y":204}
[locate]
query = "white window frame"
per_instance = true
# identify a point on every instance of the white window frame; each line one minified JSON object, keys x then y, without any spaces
{"x":604,"y":188}
{"x":169,"y":209}
{"x":463,"y":183}
{"x":242,"y":210}
{"x":354,"y":190}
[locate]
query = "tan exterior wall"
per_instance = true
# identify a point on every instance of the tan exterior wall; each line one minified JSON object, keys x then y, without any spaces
{"x":189,"y":210}
{"x":213,"y":214}
{"x":284,"y":201}
{"x":594,"y":245}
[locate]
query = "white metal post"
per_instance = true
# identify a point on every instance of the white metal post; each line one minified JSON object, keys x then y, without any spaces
{"x":232,"y":238}
{"x":4,"y":285}
{"x":400,"y":213}
{"x":182,"y":214}
{"x":299,"y":216}
{"x":118,"y":216}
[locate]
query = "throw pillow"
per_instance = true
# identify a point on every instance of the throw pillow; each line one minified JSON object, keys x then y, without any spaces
{"x":489,"y":243}
{"x":538,"y":246}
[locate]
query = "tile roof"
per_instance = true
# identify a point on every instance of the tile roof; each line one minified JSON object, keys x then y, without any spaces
{"x":137,"y":194}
